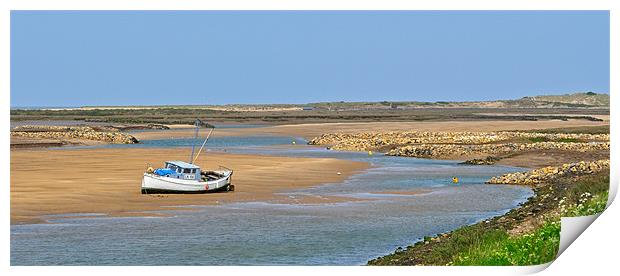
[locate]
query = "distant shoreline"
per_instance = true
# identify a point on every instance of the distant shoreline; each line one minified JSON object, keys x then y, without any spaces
{"x":574,"y":100}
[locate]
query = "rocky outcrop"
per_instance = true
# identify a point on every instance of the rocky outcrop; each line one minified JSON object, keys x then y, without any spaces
{"x":375,"y":140}
{"x":489,"y":160}
{"x":72,"y":132}
{"x":451,"y":150}
{"x":461,"y":144}
{"x":545,"y":174}
{"x":140,"y":127}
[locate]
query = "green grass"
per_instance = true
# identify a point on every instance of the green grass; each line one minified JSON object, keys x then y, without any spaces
{"x":498,"y":249}
{"x":568,"y":140}
{"x":597,"y":184}
{"x":587,"y":205}
{"x":461,"y":239}
{"x":538,"y":139}
{"x":545,"y":139}
{"x":583,"y":129}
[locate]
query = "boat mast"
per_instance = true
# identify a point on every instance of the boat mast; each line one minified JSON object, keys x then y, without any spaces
{"x":196,"y":123}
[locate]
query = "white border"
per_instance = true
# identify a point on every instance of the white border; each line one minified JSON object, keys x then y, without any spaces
{"x":594,"y":249}
{"x":313,"y":5}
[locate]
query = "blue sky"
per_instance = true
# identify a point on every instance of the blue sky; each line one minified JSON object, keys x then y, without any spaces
{"x":74,"y":58}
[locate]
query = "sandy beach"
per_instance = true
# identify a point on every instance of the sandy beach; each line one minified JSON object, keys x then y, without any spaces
{"x":61,"y":181}
{"x":309,"y":131}
{"x":65,"y":181}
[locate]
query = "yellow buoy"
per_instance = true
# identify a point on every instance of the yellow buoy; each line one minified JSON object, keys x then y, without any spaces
{"x":455,"y":180}
{"x":369,"y":152}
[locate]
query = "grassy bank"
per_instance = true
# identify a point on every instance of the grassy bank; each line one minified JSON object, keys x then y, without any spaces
{"x":527,"y":235}
{"x":584,"y":129}
{"x":541,"y":246}
{"x":187,"y":115}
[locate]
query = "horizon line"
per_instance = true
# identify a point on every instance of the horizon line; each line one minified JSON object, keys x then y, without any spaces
{"x":307,"y":103}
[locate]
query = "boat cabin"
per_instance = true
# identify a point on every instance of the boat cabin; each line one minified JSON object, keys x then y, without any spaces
{"x":180,"y":170}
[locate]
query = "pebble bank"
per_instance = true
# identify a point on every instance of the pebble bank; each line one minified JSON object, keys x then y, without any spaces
{"x":445,"y":144}
{"x":542,"y":175}
{"x":444,"y":150}
{"x":75,"y":132}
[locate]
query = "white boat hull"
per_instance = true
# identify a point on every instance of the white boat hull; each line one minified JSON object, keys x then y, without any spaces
{"x":152,"y":183}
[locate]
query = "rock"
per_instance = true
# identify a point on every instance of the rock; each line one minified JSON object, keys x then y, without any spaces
{"x":537,"y":176}
{"x":489,"y":160}
{"x":443,"y":150}
{"x":73,"y":132}
{"x":441,"y":144}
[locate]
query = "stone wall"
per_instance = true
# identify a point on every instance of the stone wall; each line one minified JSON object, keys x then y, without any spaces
{"x":537,"y":176}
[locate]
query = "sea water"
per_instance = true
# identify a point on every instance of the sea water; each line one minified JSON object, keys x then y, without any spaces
{"x":398,"y":201}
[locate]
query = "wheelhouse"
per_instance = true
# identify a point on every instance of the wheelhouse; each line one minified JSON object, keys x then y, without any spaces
{"x":180,"y":170}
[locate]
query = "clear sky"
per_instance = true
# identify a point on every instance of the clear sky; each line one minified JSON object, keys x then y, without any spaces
{"x":74,"y":58}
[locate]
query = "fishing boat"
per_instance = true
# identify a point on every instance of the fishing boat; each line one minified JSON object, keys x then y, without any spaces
{"x":186,"y":177}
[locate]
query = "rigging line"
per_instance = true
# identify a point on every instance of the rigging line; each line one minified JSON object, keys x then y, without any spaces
{"x":203,"y":144}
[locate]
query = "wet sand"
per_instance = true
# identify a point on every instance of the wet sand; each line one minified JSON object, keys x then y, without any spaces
{"x":65,"y":181}
{"x":60,"y":181}
{"x":32,"y":143}
{"x":312,"y":130}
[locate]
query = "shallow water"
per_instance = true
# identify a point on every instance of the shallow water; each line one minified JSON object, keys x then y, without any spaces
{"x":240,"y":143}
{"x":267,"y":233}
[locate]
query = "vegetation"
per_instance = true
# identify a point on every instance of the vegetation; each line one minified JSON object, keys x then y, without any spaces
{"x":498,"y":248}
{"x":576,"y":100}
{"x":490,"y":242}
{"x":538,"y":139}
{"x":329,"y":113}
{"x":586,"y":129}
{"x":589,"y":98}
{"x":579,"y":105}
{"x":545,"y":139}
{"x":541,"y":246}
{"x":568,"y":140}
